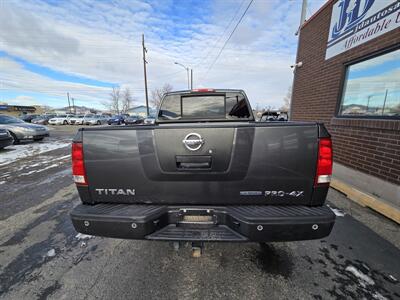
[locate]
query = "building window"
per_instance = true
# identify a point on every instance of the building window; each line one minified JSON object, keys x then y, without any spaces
{"x":372,"y":88}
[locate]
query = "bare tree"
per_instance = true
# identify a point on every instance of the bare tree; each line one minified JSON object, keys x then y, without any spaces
{"x":286,"y":100}
{"x":127,"y":101}
{"x":113,"y":104}
{"x":157,"y":94}
{"x":46,"y":108}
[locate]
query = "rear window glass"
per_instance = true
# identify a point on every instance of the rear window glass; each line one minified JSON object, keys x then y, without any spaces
{"x":230,"y":105}
{"x":236,"y":106}
{"x":171,"y":108}
{"x":203,"y":107}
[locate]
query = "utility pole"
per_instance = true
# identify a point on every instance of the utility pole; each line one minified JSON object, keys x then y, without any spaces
{"x":69,"y":103}
{"x":187,"y":72}
{"x":302,"y":21}
{"x":303,"y":14}
{"x":145,"y":75}
{"x":191,"y":79}
{"x":369,"y":98}
{"x":384,"y":102}
{"x":73,"y":105}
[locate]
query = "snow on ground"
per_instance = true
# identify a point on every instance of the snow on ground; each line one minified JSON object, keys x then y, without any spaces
{"x":43,"y":160}
{"x":81,"y":236}
{"x":337,"y":212}
{"x":360,"y":275}
{"x":17,"y":152}
{"x":51,"y":253}
{"x":378,"y":296}
{"x":40,"y":170}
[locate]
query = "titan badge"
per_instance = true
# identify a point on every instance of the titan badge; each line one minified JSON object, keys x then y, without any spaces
{"x":123,"y":192}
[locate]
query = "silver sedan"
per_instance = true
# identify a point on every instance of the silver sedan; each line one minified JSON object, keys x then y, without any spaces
{"x":95,"y":120}
{"x":20,"y":130}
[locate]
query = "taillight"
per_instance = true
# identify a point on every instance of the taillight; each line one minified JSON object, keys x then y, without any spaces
{"x":325,"y":160}
{"x":78,"y":165}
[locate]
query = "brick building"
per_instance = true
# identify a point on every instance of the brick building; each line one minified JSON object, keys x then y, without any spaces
{"x":348,"y":77}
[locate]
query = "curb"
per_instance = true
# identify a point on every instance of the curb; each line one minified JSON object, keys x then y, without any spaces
{"x":366,"y":200}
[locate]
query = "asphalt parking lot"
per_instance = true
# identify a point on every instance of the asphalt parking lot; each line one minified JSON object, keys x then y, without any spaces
{"x":41,"y":255}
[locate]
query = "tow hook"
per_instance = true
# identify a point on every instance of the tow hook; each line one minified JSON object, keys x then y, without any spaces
{"x":197,"y":249}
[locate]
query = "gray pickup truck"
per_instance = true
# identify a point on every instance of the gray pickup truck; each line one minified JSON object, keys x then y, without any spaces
{"x":205,"y":171}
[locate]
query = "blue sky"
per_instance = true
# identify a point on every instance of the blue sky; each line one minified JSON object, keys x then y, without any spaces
{"x":49,"y":48}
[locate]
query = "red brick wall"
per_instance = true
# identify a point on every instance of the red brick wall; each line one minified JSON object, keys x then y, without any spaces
{"x":370,"y":146}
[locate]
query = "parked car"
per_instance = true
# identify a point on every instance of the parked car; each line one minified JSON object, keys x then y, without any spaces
{"x":5,"y":138}
{"x":77,"y":120}
{"x":95,"y":120}
{"x":205,"y":171}
{"x":21,"y":130}
{"x":149,"y":120}
{"x":133,"y":120}
{"x":60,"y":119}
{"x":117,"y":119}
{"x":28,"y":118}
{"x":270,"y":116}
{"x":43,"y":120}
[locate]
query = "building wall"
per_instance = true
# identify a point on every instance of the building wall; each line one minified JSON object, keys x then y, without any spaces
{"x":17,"y":111}
{"x":371,"y":146}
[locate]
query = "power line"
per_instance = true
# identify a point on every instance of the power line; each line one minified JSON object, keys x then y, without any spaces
{"x":222,"y":34}
{"x":233,"y":31}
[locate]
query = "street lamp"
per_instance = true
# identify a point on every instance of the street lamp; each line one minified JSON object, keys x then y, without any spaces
{"x":187,"y":72}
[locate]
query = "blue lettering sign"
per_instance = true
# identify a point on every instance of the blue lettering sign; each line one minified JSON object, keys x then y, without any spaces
{"x":350,"y":15}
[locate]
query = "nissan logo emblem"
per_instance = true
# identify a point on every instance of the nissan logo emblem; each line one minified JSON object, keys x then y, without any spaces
{"x":193,"y":141}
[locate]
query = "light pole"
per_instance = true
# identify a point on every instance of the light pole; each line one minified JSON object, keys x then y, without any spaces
{"x":187,"y":72}
{"x":297,"y":64}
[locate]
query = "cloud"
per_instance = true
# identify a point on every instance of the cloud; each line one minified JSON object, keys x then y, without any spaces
{"x":22,"y":30}
{"x":102,"y":41}
{"x":23,"y":100}
{"x":359,"y":89}
{"x":18,"y":79}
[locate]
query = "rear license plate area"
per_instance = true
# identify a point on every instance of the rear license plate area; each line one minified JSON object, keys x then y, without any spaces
{"x":197,"y":217}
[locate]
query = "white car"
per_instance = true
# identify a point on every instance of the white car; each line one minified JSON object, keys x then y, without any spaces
{"x":61,"y":120}
{"x":77,"y":120}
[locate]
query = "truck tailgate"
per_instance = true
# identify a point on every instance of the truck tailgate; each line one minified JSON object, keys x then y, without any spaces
{"x":252,"y":163}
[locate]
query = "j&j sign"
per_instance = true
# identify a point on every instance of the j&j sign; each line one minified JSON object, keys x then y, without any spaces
{"x":355,"y":22}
